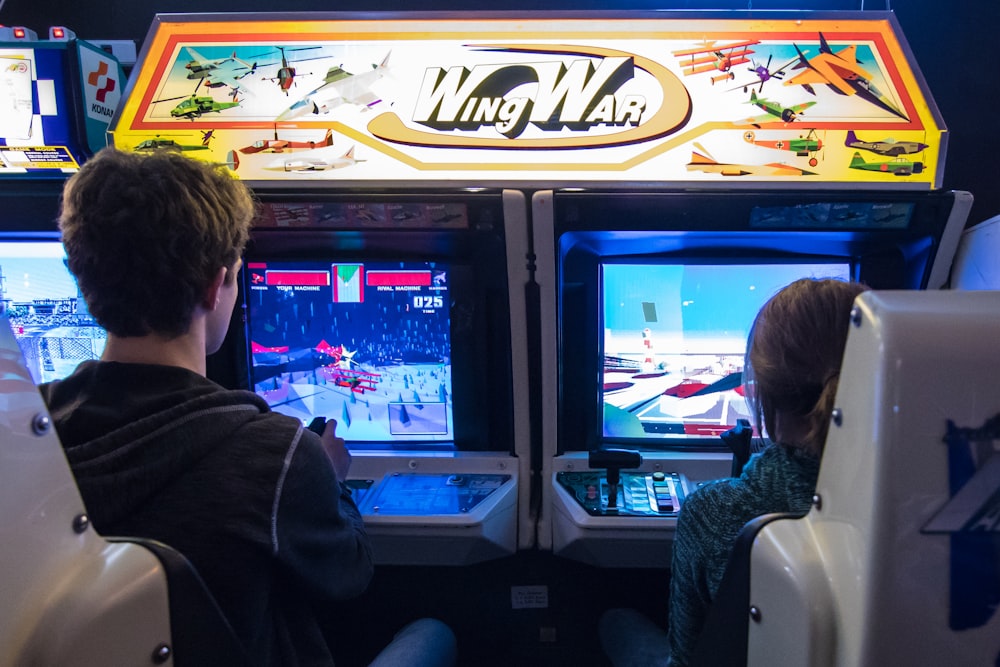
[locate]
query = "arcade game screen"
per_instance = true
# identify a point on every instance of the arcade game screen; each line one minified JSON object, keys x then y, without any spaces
{"x":365,"y":343}
{"x":674,"y":338}
{"x":40,"y":298}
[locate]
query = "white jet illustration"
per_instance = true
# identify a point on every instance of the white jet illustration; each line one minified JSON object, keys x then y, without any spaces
{"x":316,"y":159}
{"x":339,"y":87}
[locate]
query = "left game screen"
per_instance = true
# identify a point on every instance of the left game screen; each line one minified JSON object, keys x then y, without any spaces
{"x":365,"y":343}
{"x":40,"y":298}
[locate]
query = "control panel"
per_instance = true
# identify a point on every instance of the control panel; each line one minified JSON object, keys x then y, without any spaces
{"x":412,"y":494}
{"x":637,"y":494}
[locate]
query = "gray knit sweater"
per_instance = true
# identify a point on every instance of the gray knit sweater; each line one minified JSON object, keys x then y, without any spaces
{"x":779,"y":479}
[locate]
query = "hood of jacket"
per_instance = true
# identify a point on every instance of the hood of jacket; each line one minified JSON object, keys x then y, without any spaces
{"x":130,"y":429}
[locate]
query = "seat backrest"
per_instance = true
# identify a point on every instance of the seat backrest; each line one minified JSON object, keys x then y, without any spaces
{"x":898,"y":562}
{"x":67,"y":595}
{"x":723,"y":638}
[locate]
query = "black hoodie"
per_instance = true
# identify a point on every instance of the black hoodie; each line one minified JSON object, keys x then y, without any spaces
{"x":248,"y":495}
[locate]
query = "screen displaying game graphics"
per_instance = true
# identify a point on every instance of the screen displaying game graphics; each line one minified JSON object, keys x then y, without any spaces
{"x":674,"y":342}
{"x":365,"y":343}
{"x":40,"y":298}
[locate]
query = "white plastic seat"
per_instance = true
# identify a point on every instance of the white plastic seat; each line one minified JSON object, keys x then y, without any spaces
{"x":67,"y":595}
{"x":898,"y":562}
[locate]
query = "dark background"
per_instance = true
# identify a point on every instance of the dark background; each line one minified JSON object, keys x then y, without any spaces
{"x":951,"y":41}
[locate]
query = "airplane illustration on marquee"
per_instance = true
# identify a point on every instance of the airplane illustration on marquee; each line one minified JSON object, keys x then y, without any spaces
{"x":317,"y":159}
{"x":803,"y":146}
{"x":764,"y":73}
{"x":339,"y":87}
{"x":277,"y":145}
{"x":221,"y":72}
{"x":701,"y":160}
{"x":896,"y":167}
{"x":711,"y":56}
{"x":886,"y":146}
{"x":775,"y":111}
{"x":842,"y":73}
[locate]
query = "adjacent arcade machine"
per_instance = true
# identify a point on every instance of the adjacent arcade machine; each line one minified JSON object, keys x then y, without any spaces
{"x":60,"y":95}
{"x":771,"y":150}
{"x":392,"y":314}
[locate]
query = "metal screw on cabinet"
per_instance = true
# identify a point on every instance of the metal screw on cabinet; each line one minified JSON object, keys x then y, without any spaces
{"x":161,"y":654}
{"x":837,"y":415}
{"x":755,"y":613}
{"x":818,"y":501}
{"x":856,"y":317}
{"x":80,"y":523}
{"x":40,"y":424}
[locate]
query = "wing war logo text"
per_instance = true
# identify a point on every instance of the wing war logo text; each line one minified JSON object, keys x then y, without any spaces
{"x":578,"y":94}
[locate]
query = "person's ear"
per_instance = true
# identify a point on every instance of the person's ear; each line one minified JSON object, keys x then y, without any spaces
{"x":211,"y":300}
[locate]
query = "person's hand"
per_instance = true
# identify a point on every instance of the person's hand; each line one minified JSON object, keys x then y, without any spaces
{"x":336,"y":449}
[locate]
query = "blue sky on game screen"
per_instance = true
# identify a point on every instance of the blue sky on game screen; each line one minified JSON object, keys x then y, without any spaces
{"x":671,"y":332}
{"x":365,"y":343}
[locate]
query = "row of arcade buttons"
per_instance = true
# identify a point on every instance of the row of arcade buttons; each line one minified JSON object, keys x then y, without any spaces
{"x":661,"y":498}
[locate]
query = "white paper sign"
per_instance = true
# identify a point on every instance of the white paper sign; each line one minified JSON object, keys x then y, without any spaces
{"x":15,"y":98}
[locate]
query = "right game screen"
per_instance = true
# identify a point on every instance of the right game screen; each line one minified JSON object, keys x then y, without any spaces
{"x":674,"y":339}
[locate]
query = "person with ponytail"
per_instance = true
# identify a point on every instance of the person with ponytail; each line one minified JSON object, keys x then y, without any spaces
{"x":790,"y":376}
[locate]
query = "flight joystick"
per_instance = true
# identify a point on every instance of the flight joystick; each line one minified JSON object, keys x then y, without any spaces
{"x":317,"y":425}
{"x":613,"y":460}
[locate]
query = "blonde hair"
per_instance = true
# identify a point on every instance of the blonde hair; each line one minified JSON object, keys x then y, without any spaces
{"x":793,"y":358}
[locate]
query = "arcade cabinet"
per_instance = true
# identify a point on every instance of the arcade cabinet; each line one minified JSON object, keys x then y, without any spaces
{"x":381,"y":288}
{"x":63,"y":92}
{"x":655,"y":294}
{"x":648,"y":286}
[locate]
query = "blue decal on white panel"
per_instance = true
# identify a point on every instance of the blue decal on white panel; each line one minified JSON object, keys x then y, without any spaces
{"x":972,"y":518}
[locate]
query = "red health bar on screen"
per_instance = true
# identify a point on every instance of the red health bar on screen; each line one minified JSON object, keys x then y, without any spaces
{"x":398,"y":278}
{"x":298,"y":278}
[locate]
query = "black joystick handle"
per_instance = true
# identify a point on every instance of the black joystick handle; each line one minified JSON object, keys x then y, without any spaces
{"x":317,"y":425}
{"x":738,"y":440}
{"x":613,"y":460}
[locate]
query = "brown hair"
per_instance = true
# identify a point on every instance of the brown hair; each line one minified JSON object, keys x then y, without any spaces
{"x":146,"y":234}
{"x":793,"y":359}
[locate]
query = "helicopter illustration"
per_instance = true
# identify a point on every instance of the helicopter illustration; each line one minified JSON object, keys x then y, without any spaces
{"x":194,"y":106}
{"x":285,"y":77}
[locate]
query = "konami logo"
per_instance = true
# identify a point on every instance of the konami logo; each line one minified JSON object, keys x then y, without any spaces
{"x":587,"y":97}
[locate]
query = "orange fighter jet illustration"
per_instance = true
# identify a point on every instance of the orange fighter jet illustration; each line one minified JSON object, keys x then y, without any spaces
{"x":842,"y":72}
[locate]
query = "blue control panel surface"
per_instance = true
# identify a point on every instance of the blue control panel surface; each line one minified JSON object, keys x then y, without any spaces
{"x":422,"y":494}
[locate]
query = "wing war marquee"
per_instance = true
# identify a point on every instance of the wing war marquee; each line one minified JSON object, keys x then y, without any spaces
{"x":540,"y":100}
